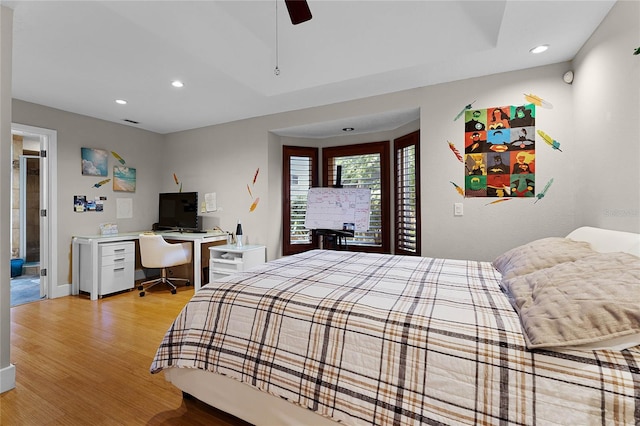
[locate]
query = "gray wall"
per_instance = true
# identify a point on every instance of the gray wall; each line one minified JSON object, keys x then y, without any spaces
{"x":607,"y":117}
{"x":139,"y":148}
{"x":223,"y":158}
{"x":603,"y":101}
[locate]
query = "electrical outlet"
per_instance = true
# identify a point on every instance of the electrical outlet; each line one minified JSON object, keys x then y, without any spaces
{"x":457,"y":209}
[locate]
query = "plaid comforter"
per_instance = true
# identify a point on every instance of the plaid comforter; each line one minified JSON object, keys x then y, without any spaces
{"x":381,"y":339}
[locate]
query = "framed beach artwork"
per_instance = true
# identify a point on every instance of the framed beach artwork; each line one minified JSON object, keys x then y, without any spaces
{"x":124,"y":179}
{"x":94,"y":161}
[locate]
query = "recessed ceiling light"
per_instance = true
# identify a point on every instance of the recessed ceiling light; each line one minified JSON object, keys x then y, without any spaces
{"x":121,"y":101}
{"x":177,"y":83}
{"x":348,"y":129}
{"x":539,"y":49}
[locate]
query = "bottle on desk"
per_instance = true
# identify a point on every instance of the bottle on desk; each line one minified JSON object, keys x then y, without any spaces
{"x":239,"y":235}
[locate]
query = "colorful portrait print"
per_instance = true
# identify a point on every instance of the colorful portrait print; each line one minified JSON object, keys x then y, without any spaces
{"x":475,"y":120}
{"x":475,"y":142}
{"x":476,"y":164}
{"x":498,"y":118}
{"x":500,"y":151}
{"x":475,"y":186}
{"x":523,"y":185}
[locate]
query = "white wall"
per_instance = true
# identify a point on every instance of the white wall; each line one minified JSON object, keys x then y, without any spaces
{"x":596,"y":175}
{"x":607,"y":124}
{"x":139,"y":148}
{"x":601,"y":106}
{"x":223,"y":158}
{"x":487,"y":230}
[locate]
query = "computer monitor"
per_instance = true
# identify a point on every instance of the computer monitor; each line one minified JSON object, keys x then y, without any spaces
{"x":178,"y":211}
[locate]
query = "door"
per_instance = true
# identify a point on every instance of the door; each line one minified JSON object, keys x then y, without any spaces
{"x":46,"y":143}
{"x":30,"y":211}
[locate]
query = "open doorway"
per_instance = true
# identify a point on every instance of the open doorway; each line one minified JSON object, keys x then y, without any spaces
{"x":25,"y":220}
{"x":31,"y":215}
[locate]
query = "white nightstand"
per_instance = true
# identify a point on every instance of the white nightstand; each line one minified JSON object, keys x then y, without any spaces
{"x":228,"y":259}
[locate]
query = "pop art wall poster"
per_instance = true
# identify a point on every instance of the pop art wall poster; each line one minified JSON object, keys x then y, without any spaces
{"x":500,"y":151}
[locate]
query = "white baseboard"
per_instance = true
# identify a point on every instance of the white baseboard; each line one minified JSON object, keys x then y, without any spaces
{"x":60,"y":291}
{"x":7,"y":378}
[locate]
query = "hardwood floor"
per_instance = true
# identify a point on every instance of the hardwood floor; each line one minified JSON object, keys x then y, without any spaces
{"x":83,"y":362}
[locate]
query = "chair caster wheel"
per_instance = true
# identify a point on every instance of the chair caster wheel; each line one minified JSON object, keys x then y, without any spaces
{"x":140,"y":288}
{"x":173,"y":291}
{"x":187,"y":284}
{"x":142,"y":294}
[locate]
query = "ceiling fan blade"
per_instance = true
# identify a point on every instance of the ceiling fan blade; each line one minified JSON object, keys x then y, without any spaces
{"x":298,"y":11}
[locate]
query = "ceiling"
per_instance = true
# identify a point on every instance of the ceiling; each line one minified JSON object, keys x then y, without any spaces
{"x":80,"y":56}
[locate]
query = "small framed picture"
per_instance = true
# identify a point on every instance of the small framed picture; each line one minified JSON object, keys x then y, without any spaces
{"x":79,"y":203}
{"x":94,"y":161}
{"x":124,"y":179}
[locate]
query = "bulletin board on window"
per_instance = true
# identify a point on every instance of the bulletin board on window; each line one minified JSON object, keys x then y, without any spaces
{"x":500,"y":151}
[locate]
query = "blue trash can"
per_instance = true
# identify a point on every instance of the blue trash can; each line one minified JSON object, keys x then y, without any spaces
{"x":16,"y":267}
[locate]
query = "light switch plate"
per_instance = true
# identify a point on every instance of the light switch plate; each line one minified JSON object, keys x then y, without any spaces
{"x":457,"y":209}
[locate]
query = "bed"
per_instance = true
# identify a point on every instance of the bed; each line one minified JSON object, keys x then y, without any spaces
{"x":547,"y":333}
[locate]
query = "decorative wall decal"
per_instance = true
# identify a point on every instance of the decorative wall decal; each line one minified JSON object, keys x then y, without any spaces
{"x":175,"y":179}
{"x":468,"y":106}
{"x":256,"y":200}
{"x":102,"y":182}
{"x":460,"y":190}
{"x":541,"y":195}
{"x":254,"y":204}
{"x":537,"y":101}
{"x":498,"y":201}
{"x":117,"y":157}
{"x":549,"y":140}
{"x":500,"y":151}
{"x":455,"y":151}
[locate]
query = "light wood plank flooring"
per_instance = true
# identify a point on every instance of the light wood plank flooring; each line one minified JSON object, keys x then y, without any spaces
{"x":83,"y":362}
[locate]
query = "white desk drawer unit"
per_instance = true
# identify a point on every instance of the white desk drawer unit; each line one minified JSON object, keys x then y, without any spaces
{"x":116,"y":263}
{"x":228,"y":259}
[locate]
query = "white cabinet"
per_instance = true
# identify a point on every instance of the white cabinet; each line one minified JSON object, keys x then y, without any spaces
{"x":116,"y":268}
{"x":228,"y":259}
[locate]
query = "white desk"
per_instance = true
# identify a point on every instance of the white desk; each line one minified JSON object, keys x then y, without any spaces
{"x":92,"y":243}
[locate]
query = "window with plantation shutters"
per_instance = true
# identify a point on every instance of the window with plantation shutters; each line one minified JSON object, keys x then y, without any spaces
{"x":300,"y":165}
{"x":364,"y":166}
{"x":407,"y":194}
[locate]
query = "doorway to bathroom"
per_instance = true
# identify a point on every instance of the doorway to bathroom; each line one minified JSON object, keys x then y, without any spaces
{"x":30,"y":215}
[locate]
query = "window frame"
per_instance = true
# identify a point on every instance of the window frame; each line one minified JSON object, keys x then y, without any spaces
{"x":287,"y":152}
{"x":399,"y":144}
{"x":381,"y":148}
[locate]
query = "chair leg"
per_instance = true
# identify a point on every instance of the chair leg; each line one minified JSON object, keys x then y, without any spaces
{"x":163,"y":279}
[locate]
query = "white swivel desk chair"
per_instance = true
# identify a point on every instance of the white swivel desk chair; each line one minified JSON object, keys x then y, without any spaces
{"x":155,"y":252}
